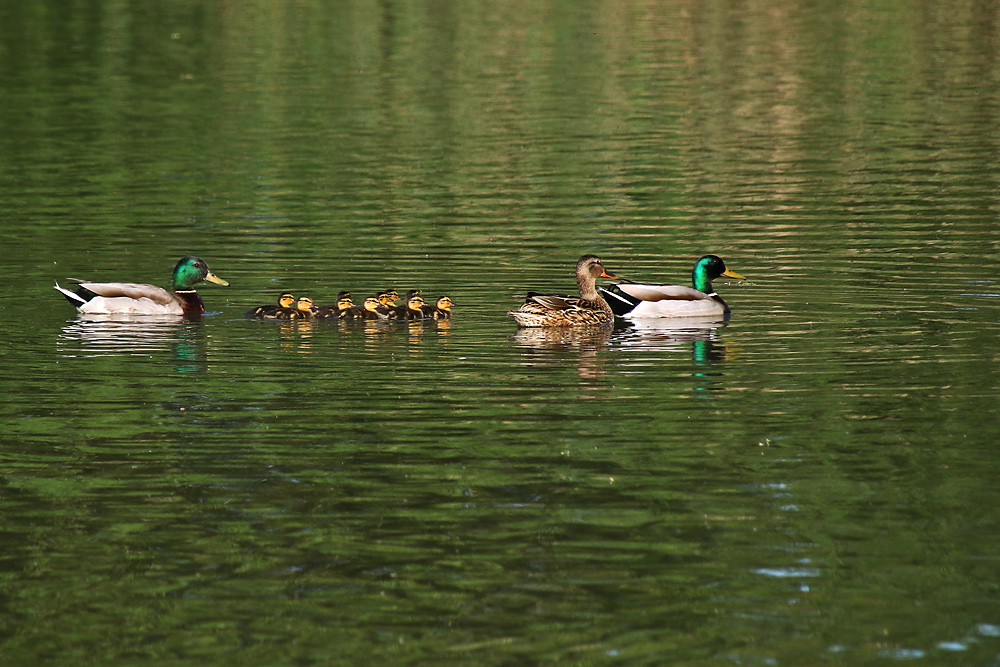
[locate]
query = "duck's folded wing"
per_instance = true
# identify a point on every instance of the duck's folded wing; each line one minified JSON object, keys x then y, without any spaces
{"x":653,"y":292}
{"x":553,"y":302}
{"x":130,"y":290}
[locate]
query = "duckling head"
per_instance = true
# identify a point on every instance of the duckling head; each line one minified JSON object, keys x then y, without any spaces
{"x":344,"y":301}
{"x":388,"y":297}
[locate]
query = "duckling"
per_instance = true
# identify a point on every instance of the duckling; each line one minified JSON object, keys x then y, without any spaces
{"x":388,"y":298}
{"x":304,"y":309}
{"x":368,"y":310}
{"x":335,"y":311}
{"x":272,"y":311}
{"x":415,"y":308}
{"x":441,"y":310}
{"x":412,"y":309}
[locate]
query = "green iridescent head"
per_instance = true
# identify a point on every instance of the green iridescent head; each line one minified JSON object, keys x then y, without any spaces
{"x":192,"y":270}
{"x":707,"y":269}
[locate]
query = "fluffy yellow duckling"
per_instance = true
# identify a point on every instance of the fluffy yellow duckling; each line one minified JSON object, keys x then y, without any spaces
{"x":272,"y":311}
{"x":441,"y":310}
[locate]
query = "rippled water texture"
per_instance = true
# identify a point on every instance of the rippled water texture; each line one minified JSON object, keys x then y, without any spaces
{"x":812,"y":481}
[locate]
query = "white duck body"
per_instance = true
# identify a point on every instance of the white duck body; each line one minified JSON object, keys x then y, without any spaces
{"x":124,"y":298}
{"x":647,"y":300}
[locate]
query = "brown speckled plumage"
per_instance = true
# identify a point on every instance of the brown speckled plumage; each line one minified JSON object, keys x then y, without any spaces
{"x":589,"y":309}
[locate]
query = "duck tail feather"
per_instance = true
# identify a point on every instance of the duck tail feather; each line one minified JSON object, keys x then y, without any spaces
{"x":72,"y":297}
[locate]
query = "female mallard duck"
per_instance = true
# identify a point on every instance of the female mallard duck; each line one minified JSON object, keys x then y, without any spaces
{"x":540,"y":310}
{"x":641,"y":300}
{"x":336,"y":310}
{"x":441,"y":310}
{"x":142,"y":299}
{"x":273,"y":311}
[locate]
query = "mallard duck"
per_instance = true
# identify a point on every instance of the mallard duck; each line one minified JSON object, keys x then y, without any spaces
{"x":304,"y":309}
{"x":441,"y":310}
{"x":336,"y":310}
{"x":368,"y":310}
{"x":641,"y":300}
{"x":273,"y":311}
{"x":541,"y":310}
{"x":142,"y":299}
{"x":411,"y":310}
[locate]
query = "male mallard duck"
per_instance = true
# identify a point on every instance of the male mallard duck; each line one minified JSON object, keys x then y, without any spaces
{"x":441,"y":310}
{"x":540,"y":310}
{"x":273,"y":311}
{"x":641,"y":300}
{"x":368,"y":310}
{"x":411,"y":310}
{"x":304,"y":309}
{"x":336,"y":310}
{"x":142,"y":299}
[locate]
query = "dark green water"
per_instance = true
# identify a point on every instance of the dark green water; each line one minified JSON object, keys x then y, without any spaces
{"x":814,"y":482}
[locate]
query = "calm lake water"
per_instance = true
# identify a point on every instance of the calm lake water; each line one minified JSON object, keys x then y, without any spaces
{"x":812,"y":482}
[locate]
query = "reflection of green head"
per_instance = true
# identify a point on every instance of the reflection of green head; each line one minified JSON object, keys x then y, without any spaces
{"x":190,"y":271}
{"x":707,"y":269}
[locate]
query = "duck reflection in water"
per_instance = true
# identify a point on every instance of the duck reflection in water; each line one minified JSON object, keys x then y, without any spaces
{"x":548,"y":345}
{"x":665,"y":335}
{"x":699,"y":337}
{"x":296,"y":334}
{"x":128,"y":335}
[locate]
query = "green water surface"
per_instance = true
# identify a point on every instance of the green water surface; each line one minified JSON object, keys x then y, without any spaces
{"x":812,"y":482}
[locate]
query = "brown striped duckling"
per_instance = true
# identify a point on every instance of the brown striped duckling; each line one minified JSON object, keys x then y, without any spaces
{"x":304,"y":309}
{"x":272,"y":311}
{"x":368,"y":310}
{"x":411,"y":310}
{"x":388,"y":298}
{"x":335,"y":310}
{"x":441,"y":310}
